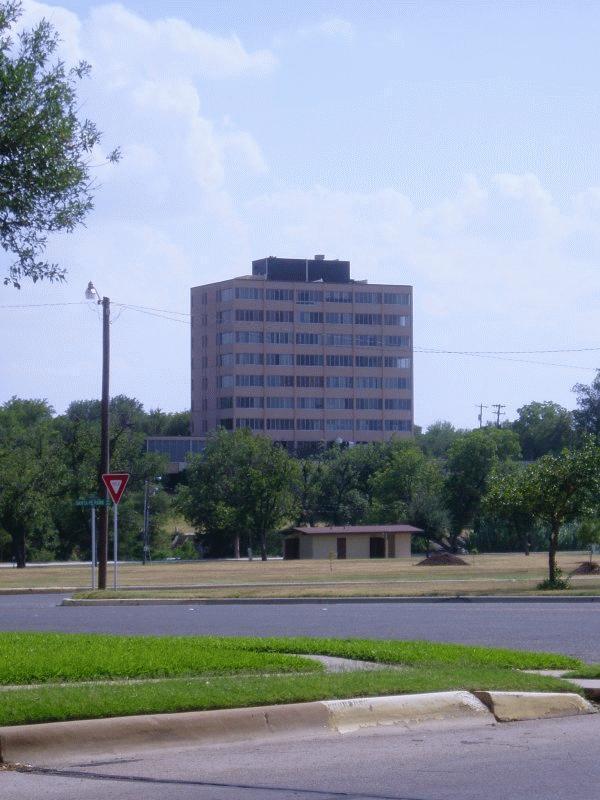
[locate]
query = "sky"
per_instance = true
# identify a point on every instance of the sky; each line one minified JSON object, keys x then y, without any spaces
{"x":452,"y":146}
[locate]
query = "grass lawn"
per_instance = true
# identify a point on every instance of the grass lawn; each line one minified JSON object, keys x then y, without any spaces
{"x":591,"y":671}
{"x":484,"y":574}
{"x":206,"y":672}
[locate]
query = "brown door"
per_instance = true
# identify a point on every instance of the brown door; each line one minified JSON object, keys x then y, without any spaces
{"x":377,"y":547}
{"x":291,"y":548}
{"x":341,"y":547}
{"x":391,"y":545}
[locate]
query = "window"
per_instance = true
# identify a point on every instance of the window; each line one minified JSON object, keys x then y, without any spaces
{"x":280,"y":380}
{"x":309,"y":338}
{"x":338,"y":424}
{"x":225,"y":295}
{"x":367,"y":297}
{"x":369,"y":403}
{"x":309,"y":424}
{"x":309,"y":360}
{"x":224,"y":381}
{"x":309,"y":381}
{"x":280,"y":316}
{"x":226,"y":423}
{"x":367,"y":340}
{"x":338,"y":318}
{"x":249,"y":337}
{"x":278,"y":337}
{"x":392,"y":299}
{"x":396,"y":383}
{"x":225,"y":360}
{"x":338,"y":297}
{"x":248,"y":358}
{"x":280,"y":359}
{"x":340,"y":381}
{"x":398,"y":425}
{"x":339,"y":339}
{"x":280,"y":402}
{"x":280,"y":424}
{"x":311,"y":316}
{"x":224,"y":317}
{"x":339,"y":361}
{"x":280,"y":294}
{"x":367,"y":319}
{"x":369,"y":361}
{"x":225,"y":338}
{"x":396,"y":319}
{"x":398,"y":404}
{"x":249,"y":402}
{"x":310,"y":402}
{"x":225,"y":402}
{"x":339,"y":403}
{"x":248,"y":293}
{"x":369,"y":425}
{"x":308,"y":297}
{"x":396,"y":341}
{"x":254,"y":423}
{"x":249,"y":380}
{"x":397,"y":363}
{"x":368,"y":383}
{"x":248,"y":315}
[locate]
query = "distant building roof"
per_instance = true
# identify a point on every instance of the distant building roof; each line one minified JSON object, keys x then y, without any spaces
{"x":364,"y":529}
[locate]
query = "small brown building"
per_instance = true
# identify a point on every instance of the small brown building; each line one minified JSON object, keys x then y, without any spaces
{"x":350,"y":541}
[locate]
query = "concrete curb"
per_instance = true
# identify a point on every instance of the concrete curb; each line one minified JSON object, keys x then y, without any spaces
{"x":253,"y":601}
{"x":81,"y":740}
{"x":518,"y":706}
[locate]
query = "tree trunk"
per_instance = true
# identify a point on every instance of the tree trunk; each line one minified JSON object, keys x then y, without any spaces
{"x":552,"y":551}
{"x":236,"y":546}
{"x":263,"y":546}
{"x":20,"y":550}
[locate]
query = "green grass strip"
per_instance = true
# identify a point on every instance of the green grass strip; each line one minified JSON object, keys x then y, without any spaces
{"x":53,"y":657}
{"x":51,"y":704}
{"x":591,"y":671}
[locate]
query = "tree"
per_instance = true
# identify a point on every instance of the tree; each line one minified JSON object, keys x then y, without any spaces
{"x":45,"y":148}
{"x":555,"y":490}
{"x":471,"y":459}
{"x":437,"y":439}
{"x":543,"y":428}
{"x":587,"y":416}
{"x":240,"y":485}
{"x":32,"y":476}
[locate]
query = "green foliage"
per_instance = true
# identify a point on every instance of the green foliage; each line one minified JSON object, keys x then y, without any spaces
{"x":587,"y":415}
{"x":438,"y":438}
{"x":543,"y":428}
{"x":45,"y":148}
{"x":240,"y":487}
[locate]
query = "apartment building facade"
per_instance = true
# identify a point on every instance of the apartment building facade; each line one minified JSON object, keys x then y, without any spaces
{"x":300,"y":352}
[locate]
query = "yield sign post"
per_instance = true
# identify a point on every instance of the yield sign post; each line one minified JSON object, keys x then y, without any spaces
{"x":115,"y":483}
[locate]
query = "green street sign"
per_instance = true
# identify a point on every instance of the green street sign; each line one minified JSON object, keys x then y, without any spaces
{"x":92,"y":502}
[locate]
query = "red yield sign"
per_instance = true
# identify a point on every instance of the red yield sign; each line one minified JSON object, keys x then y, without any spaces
{"x":115,"y":482}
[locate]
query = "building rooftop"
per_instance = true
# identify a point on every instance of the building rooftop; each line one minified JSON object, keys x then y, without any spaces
{"x":348,"y":529}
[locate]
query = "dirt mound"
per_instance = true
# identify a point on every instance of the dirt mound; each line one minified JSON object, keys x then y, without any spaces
{"x":587,"y":568}
{"x":442,"y":560}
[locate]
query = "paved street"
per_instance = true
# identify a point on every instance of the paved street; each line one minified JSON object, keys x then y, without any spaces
{"x":561,"y":627}
{"x":543,"y":760}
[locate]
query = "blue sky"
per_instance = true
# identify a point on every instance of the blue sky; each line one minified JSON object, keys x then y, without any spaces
{"x":448,"y":145}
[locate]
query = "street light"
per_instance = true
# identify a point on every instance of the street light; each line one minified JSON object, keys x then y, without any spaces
{"x":91,"y":293}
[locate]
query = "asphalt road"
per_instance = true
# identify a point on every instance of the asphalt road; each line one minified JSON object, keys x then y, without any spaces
{"x":560,"y":627}
{"x":541,"y":760}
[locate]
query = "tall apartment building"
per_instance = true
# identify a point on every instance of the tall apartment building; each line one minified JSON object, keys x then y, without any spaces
{"x":300,"y":352}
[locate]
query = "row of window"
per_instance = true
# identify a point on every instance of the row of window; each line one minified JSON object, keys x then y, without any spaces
{"x":317,"y":339}
{"x":311,"y":296}
{"x":311,"y":382}
{"x":312,"y":360}
{"x":311,"y":317}
{"x":340,"y":403}
{"x":259,"y":424}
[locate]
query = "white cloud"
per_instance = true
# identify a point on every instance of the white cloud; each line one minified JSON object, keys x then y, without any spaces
{"x":334,"y":27}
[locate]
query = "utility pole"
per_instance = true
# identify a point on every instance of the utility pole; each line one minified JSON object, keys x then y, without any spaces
{"x":91,"y":293}
{"x":146,"y":520}
{"x":498,"y":412}
{"x":480,"y":406}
